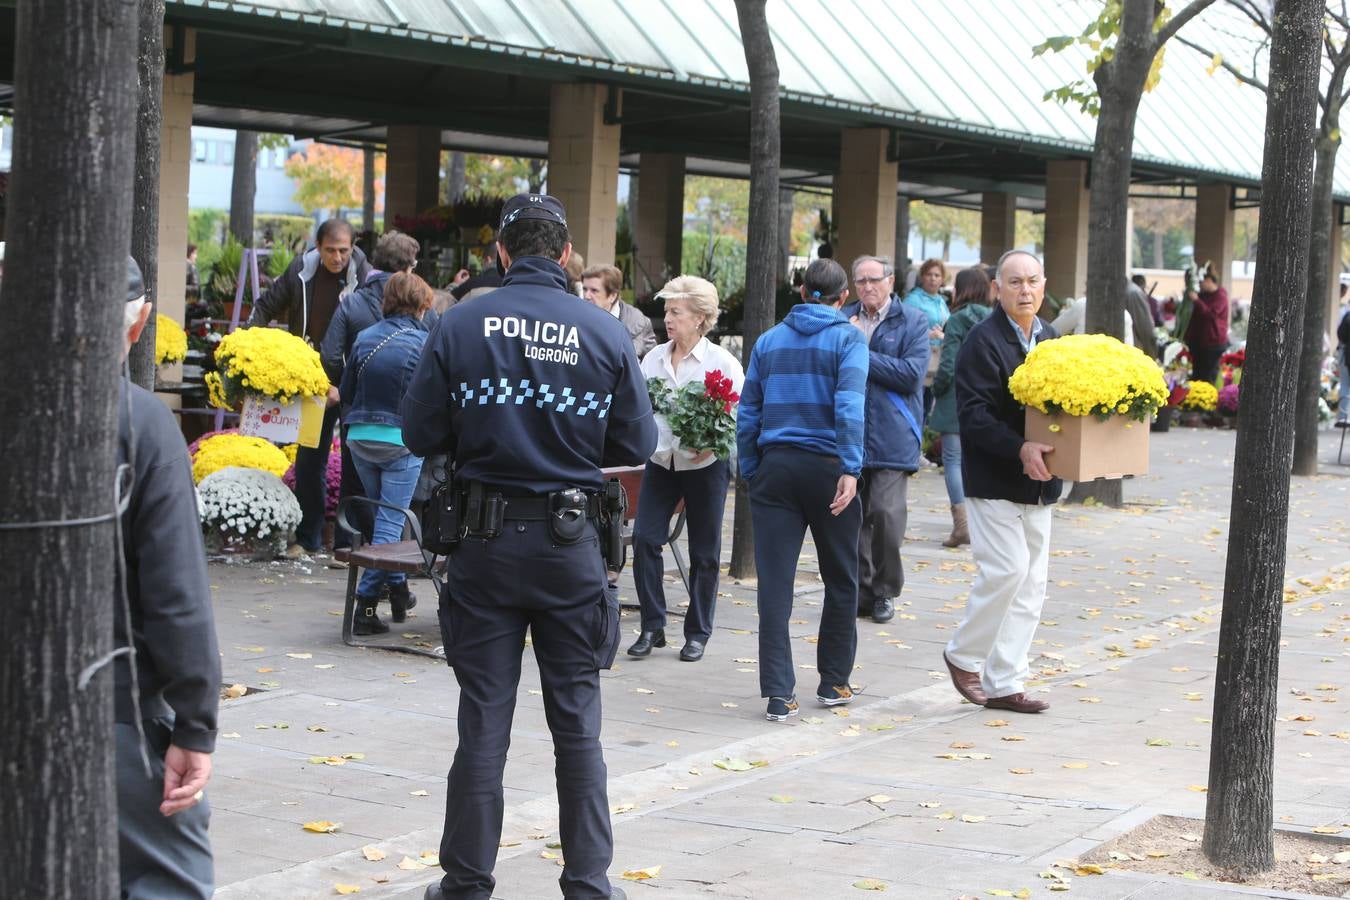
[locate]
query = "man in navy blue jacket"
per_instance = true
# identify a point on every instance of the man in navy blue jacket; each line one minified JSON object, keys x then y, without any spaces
{"x":1009,"y":492}
{"x":898,"y":351}
{"x":531,"y":390}
{"x":799,"y":433}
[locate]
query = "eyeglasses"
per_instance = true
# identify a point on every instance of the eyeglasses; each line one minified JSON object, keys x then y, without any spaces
{"x":862,"y":282}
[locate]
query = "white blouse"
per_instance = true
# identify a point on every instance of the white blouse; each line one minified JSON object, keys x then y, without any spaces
{"x":704,"y":358}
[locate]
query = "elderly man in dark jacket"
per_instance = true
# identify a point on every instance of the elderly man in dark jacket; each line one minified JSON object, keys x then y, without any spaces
{"x":898,"y":350}
{"x":1009,"y":492}
{"x":162,"y":816}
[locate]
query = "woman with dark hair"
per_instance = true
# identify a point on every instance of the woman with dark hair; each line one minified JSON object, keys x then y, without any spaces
{"x":969,"y":307}
{"x":800,"y":436}
{"x":376,"y":378}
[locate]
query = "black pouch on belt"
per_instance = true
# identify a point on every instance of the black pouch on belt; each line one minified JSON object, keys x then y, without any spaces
{"x":567,"y":515}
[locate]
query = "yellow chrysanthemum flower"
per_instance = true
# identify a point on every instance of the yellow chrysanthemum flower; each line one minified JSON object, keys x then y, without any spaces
{"x":170,"y":341}
{"x":1089,"y":375}
{"x":1202,"y":395}
{"x":224,"y":450}
{"x":266,"y":361}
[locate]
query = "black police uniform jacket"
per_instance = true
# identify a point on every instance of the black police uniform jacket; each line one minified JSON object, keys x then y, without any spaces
{"x":530,"y":388}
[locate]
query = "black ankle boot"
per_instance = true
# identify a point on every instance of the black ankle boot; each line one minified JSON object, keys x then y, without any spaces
{"x":366,"y":622}
{"x":401,"y":600}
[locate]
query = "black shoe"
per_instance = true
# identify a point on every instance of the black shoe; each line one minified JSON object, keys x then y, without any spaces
{"x":883,"y":611}
{"x":366,"y":622}
{"x":434,"y":892}
{"x":692,"y":651}
{"x":646,"y":641}
{"x":865,"y":608}
{"x":401,"y":600}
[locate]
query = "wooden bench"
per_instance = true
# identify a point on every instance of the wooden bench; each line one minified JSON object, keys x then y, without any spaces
{"x":631,"y":479}
{"x":407,"y":557}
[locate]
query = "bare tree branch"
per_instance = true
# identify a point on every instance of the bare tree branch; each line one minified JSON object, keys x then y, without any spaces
{"x":1175,"y":24}
{"x":1255,"y":13}
{"x":1225,"y":64}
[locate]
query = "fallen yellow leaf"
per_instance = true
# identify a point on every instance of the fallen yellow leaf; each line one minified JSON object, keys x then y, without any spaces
{"x":642,"y":874}
{"x":373,"y":853}
{"x":322,"y":827}
{"x":347,"y":888}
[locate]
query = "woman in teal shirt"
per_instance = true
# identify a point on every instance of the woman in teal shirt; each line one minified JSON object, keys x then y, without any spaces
{"x":927,"y":298}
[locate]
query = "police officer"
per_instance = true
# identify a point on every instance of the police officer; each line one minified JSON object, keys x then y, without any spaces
{"x":530,"y":390}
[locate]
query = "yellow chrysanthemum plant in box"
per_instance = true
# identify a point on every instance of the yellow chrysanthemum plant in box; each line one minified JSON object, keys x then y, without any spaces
{"x":275,"y":376}
{"x":171,"y":342}
{"x":1088,"y":395}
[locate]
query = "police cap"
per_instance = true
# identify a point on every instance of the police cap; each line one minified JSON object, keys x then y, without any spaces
{"x":532,"y":206}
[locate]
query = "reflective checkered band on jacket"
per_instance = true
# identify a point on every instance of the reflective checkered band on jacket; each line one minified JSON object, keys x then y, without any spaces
{"x":543,"y":396}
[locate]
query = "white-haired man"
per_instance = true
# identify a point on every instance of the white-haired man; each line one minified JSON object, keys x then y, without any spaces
{"x":162,"y":815}
{"x":1009,"y":492}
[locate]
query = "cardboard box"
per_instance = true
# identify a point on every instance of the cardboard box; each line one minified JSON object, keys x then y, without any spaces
{"x":1087,"y":448}
{"x":296,"y":422}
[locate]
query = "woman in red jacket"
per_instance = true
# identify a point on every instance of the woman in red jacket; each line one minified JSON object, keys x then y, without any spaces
{"x":1207,"y":331}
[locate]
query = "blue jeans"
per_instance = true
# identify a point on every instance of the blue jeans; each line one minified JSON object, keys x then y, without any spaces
{"x":392,"y":482}
{"x":1344,"y":403}
{"x":951,"y":467}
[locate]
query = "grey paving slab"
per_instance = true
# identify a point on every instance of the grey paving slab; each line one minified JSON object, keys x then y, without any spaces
{"x":1131,"y":620}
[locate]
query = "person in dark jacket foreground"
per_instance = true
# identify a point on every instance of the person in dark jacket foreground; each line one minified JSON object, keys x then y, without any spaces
{"x":1009,"y":492}
{"x":530,"y":390}
{"x":162,"y":815}
{"x":898,"y":352}
{"x":799,"y":433}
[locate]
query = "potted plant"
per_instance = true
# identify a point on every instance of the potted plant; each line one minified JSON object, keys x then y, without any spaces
{"x":246,"y":511}
{"x":275,"y":379}
{"x":1202,"y":397}
{"x":1088,"y":395}
{"x":171,"y":343}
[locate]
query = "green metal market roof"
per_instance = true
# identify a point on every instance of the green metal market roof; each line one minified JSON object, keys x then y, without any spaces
{"x":962,"y":69}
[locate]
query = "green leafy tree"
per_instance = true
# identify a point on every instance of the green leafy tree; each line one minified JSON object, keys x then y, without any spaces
{"x":940,"y":224}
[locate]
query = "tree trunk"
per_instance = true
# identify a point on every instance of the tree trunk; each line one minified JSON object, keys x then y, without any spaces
{"x":762,"y":239}
{"x":145,"y":213}
{"x":538,"y":175}
{"x":901,"y":241}
{"x":65,"y":279}
{"x":368,"y":190}
{"x":1239,"y":823}
{"x":243,"y":185}
{"x":1158,"y":262}
{"x":785,"y":211}
{"x":1315,"y":307}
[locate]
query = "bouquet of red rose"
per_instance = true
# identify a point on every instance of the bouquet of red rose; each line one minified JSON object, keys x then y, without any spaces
{"x":700,"y":415}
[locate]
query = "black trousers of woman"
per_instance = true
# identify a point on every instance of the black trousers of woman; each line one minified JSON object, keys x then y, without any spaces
{"x":704,"y":492}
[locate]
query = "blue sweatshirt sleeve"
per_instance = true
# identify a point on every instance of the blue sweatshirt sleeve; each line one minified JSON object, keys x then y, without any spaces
{"x":748,"y":418}
{"x":849,"y":401}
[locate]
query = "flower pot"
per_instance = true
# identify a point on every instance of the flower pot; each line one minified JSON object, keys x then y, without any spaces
{"x":1087,"y":448}
{"x":1191,"y":419}
{"x":1162,"y":421}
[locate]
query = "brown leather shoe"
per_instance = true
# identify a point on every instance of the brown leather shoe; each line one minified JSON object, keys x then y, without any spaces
{"x":967,"y":684}
{"x":1017,"y":703}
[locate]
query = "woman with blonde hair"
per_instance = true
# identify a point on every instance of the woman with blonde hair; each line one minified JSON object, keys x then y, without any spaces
{"x":690,"y":474}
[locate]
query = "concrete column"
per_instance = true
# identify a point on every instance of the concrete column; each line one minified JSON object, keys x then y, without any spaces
{"x":864,"y":195}
{"x":1214,"y":215}
{"x":412,"y":170}
{"x":659,"y":234}
{"x":1066,"y":227}
{"x":583,"y":169}
{"x":998,"y":225}
{"x":175,"y":152}
{"x":901,"y":257}
{"x":1334,"y":275}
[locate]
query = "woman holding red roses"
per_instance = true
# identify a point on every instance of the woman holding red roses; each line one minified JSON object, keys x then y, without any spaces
{"x":677,"y":471}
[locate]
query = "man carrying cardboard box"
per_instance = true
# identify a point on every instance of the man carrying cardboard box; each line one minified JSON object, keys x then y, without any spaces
{"x":1008,"y":496}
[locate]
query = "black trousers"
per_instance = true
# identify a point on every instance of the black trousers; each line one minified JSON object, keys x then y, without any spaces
{"x":1205,"y":362}
{"x":885,"y":512}
{"x":790,"y":493}
{"x":496,"y":591}
{"x":704,"y":492}
{"x":311,"y":484}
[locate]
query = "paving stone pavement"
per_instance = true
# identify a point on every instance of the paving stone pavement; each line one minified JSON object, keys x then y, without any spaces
{"x":871,"y":791}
